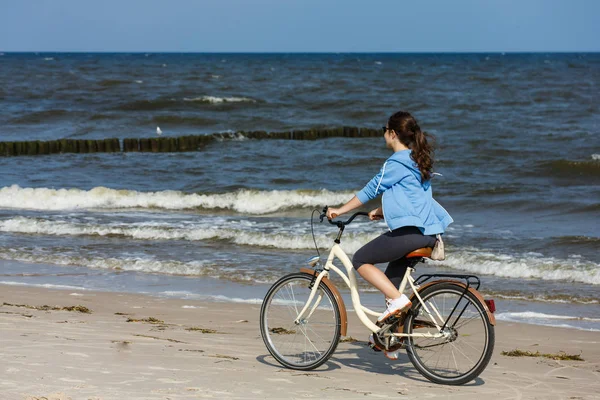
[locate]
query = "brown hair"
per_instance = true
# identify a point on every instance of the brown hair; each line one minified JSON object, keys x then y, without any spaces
{"x":410,"y":134}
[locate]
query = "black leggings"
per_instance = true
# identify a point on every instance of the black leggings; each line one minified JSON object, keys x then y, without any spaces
{"x":392,"y":247}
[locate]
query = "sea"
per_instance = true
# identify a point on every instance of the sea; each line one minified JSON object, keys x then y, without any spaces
{"x":517,"y":147}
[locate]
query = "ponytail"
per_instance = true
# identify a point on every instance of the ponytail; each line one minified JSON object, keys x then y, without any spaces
{"x":422,"y":154}
{"x":421,"y":143}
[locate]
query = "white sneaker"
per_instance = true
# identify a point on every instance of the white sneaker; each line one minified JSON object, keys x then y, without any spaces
{"x":392,"y":355}
{"x":396,"y":307}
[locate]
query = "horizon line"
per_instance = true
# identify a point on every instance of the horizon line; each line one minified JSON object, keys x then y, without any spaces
{"x":299,"y":52}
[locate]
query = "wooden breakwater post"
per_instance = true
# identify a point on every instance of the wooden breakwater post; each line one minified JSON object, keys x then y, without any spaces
{"x":171,"y":144}
{"x":131,"y":145}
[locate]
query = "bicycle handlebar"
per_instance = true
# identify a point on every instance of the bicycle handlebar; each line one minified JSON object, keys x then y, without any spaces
{"x":340,"y":224}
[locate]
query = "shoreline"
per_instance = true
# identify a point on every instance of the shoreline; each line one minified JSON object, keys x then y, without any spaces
{"x":579,"y":316}
{"x":198,"y":349}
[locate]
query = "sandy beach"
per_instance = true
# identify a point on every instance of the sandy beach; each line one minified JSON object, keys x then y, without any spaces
{"x":141,"y":347}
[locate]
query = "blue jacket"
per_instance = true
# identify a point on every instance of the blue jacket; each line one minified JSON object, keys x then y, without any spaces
{"x":406,"y":200}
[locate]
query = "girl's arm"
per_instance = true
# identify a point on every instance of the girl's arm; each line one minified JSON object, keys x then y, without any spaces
{"x":349,"y":206}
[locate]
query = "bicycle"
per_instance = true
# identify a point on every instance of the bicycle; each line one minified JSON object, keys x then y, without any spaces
{"x":448,"y":332}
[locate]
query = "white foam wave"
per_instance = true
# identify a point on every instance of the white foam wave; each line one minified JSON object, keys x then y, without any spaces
{"x":243,"y":201}
{"x":119,"y":264}
{"x":543,"y":298}
{"x":217,"y":269}
{"x":536,"y":315}
{"x":268,"y":234}
{"x":44,"y":285}
{"x":523,"y":266}
{"x":231,"y":136}
{"x":248,"y":234}
{"x":558,"y":321}
{"x":219,"y":100}
{"x":214,"y":298}
{"x":596,"y":157}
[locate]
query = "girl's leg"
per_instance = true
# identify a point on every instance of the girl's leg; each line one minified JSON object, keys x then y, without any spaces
{"x":396,"y":270}
{"x":375,"y":277}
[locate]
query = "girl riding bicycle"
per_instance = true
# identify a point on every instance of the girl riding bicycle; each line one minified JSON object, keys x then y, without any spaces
{"x":413,"y":217}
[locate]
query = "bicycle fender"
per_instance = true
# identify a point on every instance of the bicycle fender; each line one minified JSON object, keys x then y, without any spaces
{"x":338,"y":299}
{"x":474,"y":291}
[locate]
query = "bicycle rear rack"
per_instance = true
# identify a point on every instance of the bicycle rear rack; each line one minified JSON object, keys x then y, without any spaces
{"x":469,"y":280}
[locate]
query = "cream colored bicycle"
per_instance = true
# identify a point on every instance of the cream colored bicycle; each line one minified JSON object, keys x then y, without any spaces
{"x":448,"y":333}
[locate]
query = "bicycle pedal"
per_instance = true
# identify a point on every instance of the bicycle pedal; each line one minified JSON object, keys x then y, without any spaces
{"x":374,"y":347}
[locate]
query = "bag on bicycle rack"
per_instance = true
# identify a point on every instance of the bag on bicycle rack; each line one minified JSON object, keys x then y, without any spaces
{"x":438,"y":250}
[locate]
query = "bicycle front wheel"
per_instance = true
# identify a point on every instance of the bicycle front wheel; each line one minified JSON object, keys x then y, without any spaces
{"x":310,"y":342}
{"x":468,"y":342}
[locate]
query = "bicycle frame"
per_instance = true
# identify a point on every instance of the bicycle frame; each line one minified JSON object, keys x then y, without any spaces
{"x":361,"y":310}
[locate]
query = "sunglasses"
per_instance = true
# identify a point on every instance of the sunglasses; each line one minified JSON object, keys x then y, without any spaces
{"x":384,"y":129}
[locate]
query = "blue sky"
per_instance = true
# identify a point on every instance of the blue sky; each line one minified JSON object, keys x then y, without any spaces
{"x":300,"y":25}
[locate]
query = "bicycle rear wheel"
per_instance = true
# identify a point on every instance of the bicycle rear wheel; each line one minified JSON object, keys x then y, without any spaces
{"x":467,"y":347}
{"x":309,"y":343}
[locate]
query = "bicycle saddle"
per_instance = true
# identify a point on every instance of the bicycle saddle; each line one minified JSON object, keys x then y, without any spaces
{"x":422,"y":252}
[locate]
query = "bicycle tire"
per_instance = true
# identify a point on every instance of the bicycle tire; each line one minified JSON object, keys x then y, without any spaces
{"x":475,"y":317}
{"x":325,"y":317}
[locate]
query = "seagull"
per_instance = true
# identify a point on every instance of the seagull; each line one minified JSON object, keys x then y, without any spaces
{"x":158,"y":131}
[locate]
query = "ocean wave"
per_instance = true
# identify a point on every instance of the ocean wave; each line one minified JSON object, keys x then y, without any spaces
{"x":40,"y":116}
{"x":559,"y":321}
{"x":296,"y":237}
{"x":191,"y":103}
{"x":576,"y":241}
{"x":223,"y":299}
{"x":248,"y":235}
{"x":99,"y":117}
{"x":215,"y":298}
{"x":112,"y":82}
{"x":544,"y":298}
{"x":42,"y":285}
{"x":172,"y":267}
{"x":219,"y":100}
{"x":214,"y":268}
{"x":242,"y":201}
{"x":537,"y":315}
{"x":183,"y":120}
{"x":147,"y":105}
{"x":523,"y":266}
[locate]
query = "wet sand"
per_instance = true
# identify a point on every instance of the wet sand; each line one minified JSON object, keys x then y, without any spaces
{"x":185,"y":349}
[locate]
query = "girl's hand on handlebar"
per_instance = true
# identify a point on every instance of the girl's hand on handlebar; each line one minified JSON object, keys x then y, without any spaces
{"x":332,"y":213}
{"x":376,"y":214}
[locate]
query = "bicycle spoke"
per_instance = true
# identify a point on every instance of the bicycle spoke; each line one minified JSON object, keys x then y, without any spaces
{"x":455,"y":363}
{"x":316,"y":334}
{"x":293,"y":299}
{"x":463,"y":354}
{"x":467,"y":321}
{"x":464,"y":342}
{"x":310,"y":341}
